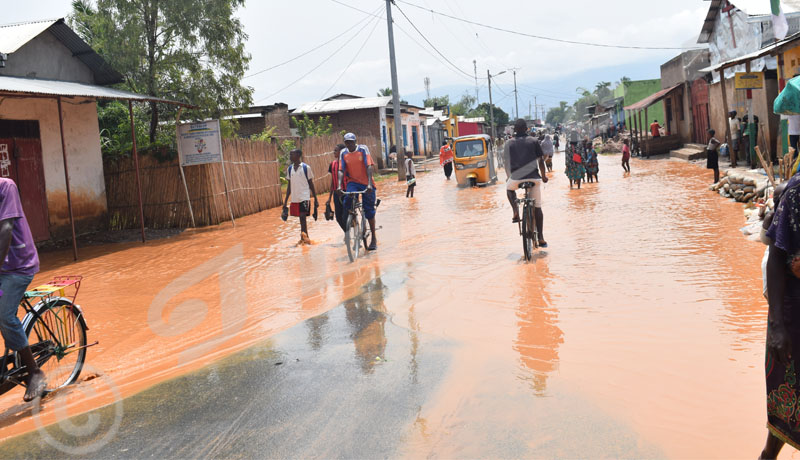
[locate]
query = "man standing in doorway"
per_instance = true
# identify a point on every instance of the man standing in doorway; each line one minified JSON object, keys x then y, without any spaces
{"x":733,"y":122}
{"x":655,"y":129}
{"x":20,"y":263}
{"x":446,"y":159}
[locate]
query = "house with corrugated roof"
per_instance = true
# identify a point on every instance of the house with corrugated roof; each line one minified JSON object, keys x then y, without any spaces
{"x":50,"y":81}
{"x":372,"y":118}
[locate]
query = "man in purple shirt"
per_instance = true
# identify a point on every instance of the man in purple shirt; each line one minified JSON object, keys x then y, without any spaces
{"x":20,"y":263}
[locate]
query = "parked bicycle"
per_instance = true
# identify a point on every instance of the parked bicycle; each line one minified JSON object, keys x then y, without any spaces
{"x":56,"y":330}
{"x":527,"y":224}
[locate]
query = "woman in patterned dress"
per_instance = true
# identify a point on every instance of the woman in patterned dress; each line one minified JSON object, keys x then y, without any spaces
{"x":783,"y":324}
{"x":574,"y":171}
{"x":592,"y":165}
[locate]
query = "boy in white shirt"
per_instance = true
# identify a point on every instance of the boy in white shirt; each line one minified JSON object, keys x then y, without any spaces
{"x":301,"y":189}
{"x":411,"y":175}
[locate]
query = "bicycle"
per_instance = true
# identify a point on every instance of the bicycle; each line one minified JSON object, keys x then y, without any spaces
{"x":356,"y":229}
{"x":527,"y":225}
{"x":56,"y":328}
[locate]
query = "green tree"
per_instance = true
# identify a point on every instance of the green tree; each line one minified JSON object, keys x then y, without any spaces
{"x":463,"y":106}
{"x":388,"y":92}
{"x":308,"y":127}
{"x":437,"y":101}
{"x":482,"y":110}
{"x":603,"y":90}
{"x":558,"y":114}
{"x":187,"y":50}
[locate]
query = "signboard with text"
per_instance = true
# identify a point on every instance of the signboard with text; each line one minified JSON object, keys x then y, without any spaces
{"x":749,"y":80}
{"x":199,"y":143}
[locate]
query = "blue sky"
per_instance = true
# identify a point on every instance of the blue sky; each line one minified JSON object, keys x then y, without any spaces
{"x":357,"y":62}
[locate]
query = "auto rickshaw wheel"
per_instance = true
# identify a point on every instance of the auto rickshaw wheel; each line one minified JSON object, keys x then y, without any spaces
{"x":473,"y":182}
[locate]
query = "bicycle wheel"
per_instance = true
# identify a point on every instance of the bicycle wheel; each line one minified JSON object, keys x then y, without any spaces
{"x":364,"y":234}
{"x":58,"y":340}
{"x":527,"y":235}
{"x":534,"y":230}
{"x":352,"y":237}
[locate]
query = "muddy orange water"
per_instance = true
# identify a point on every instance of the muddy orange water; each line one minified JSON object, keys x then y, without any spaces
{"x":644,"y":317}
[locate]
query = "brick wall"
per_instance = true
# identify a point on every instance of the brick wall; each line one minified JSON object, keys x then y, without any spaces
{"x":251,"y":126}
{"x":278,"y":117}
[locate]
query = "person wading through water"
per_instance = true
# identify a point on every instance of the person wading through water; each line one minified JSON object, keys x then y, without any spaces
{"x":446,"y":159}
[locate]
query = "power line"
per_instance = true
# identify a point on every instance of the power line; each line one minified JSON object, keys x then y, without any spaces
{"x":375,"y":14}
{"x":540,"y":37}
{"x":317,"y":66}
{"x":311,"y":50}
{"x":353,"y":60}
{"x":432,"y":45}
{"x":444,"y":63}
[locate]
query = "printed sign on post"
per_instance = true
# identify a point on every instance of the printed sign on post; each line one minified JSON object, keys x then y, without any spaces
{"x":199,"y":143}
{"x":749,"y":80}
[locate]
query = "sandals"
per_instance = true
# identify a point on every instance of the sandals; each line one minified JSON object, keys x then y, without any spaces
{"x":516,"y":220}
{"x":543,"y":244}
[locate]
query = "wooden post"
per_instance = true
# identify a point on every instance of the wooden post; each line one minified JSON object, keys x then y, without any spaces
{"x":727,"y":111}
{"x":180,"y":167}
{"x":781,"y":71}
{"x":66,"y":181}
{"x":752,"y":139}
{"x":766,"y":166}
{"x":136,"y":165}
{"x":646,"y":131}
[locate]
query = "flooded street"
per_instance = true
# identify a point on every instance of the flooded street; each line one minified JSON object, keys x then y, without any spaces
{"x":638,"y":333}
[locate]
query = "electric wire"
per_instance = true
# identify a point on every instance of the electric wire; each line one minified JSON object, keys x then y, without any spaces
{"x":306,"y":53}
{"x":315,"y":67}
{"x":540,"y":37}
{"x":352,"y":60}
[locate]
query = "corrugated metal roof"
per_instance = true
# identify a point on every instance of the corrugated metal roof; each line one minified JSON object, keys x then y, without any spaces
{"x":26,"y":86}
{"x":652,"y":99}
{"x":340,"y":105}
{"x":775,"y":48}
{"x":14,"y":36}
{"x":750,"y":7}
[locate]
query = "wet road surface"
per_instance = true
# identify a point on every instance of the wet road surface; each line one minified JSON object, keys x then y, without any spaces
{"x":638,"y":333}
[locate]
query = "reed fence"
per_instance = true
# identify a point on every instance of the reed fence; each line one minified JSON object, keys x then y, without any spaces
{"x":252,"y":171}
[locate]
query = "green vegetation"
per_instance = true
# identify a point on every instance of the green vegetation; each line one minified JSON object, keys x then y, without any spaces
{"x":185,"y":50}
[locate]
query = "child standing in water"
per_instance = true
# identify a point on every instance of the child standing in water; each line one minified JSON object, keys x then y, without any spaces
{"x":411,"y":175}
{"x":712,"y":150}
{"x":301,"y":189}
{"x":626,"y":155}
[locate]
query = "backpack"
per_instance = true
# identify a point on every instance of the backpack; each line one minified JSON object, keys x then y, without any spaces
{"x":305,"y":170}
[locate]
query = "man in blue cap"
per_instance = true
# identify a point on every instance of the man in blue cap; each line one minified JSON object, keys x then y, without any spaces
{"x":357,"y":166}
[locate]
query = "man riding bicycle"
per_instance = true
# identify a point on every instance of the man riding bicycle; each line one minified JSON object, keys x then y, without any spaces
{"x":356,"y":164}
{"x":524,"y":160}
{"x":20,"y":263}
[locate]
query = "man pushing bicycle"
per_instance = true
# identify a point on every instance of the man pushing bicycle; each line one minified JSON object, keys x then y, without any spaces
{"x":357,"y":165}
{"x":523,"y":161}
{"x":20,"y":263}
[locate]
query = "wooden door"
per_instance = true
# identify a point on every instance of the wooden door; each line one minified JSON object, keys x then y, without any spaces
{"x":700,"y":112}
{"x":21,"y":161}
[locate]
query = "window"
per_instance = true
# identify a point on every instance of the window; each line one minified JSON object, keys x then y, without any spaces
{"x":680,"y":106}
{"x":468,"y":149}
{"x":405,"y":136}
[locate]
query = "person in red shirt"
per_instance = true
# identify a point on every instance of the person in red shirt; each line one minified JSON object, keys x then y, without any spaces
{"x":446,"y":159}
{"x":654,"y":129}
{"x":356,"y":166}
{"x":626,"y":156}
{"x":333,"y":169}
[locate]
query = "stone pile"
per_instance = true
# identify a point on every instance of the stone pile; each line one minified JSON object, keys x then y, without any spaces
{"x":742,"y":188}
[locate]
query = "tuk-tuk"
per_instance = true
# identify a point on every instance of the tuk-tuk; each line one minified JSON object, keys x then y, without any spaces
{"x":474,"y":160}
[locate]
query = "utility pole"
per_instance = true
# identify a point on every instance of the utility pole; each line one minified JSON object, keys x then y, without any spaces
{"x":537,"y":107}
{"x":427,"y":87}
{"x":477,"y":96}
{"x":491,"y":106}
{"x":516,"y":99}
{"x":396,"y":111}
{"x":529,"y":110}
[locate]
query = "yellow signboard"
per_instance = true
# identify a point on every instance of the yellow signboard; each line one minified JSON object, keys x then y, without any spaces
{"x":749,"y":80}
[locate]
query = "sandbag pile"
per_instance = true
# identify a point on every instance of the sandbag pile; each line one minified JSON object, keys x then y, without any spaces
{"x":741,"y":188}
{"x":610,"y":146}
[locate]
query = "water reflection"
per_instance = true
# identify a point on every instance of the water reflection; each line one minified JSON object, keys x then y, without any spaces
{"x":538,"y":336}
{"x":366,"y":316}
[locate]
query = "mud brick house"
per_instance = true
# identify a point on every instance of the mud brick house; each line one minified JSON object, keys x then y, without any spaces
{"x":256,"y":119}
{"x":372,"y":117}
{"x":50,"y":81}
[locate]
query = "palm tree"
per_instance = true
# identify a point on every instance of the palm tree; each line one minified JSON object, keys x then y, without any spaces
{"x":384,"y":92}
